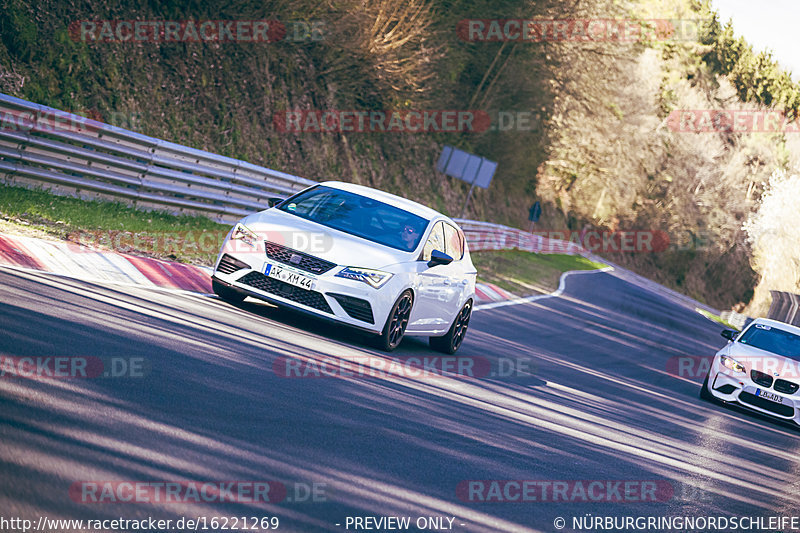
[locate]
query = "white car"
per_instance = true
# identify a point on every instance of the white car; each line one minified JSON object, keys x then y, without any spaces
{"x":357,"y":256}
{"x":759,"y":369}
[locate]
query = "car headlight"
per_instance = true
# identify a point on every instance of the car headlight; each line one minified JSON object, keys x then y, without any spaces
{"x":245,"y":234}
{"x":733,"y":364}
{"x":375,"y":278}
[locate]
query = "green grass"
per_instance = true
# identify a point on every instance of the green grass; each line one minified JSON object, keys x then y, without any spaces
{"x":526,"y":273}
{"x":112,"y":225}
{"x":716,"y":318}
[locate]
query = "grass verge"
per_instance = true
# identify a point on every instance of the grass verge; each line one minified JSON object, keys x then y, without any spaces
{"x":717,"y":318}
{"x":525,"y":273}
{"x":110,"y":225}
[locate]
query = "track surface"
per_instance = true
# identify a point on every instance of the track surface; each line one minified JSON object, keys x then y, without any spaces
{"x":597,"y":404}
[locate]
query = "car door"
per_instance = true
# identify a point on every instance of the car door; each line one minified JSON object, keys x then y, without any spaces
{"x":437,"y":292}
{"x":459,"y":277}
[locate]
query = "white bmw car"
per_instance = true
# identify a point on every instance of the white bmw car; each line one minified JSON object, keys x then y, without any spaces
{"x":759,"y":369}
{"x":357,"y":256}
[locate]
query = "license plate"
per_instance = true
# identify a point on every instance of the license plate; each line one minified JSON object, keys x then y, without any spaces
{"x":289,"y":276}
{"x":769,"y":396}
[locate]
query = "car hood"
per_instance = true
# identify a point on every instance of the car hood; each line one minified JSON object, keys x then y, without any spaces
{"x":768,"y":362}
{"x":321,"y":241}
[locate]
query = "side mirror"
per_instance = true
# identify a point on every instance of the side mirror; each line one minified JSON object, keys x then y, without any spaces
{"x":272,"y":202}
{"x":729,"y":334}
{"x":439,"y":258}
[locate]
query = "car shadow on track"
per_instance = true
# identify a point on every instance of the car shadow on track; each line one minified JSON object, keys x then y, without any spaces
{"x":411,"y":345}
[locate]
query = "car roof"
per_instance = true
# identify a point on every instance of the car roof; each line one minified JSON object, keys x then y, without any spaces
{"x":387,"y":198}
{"x":780,"y":325}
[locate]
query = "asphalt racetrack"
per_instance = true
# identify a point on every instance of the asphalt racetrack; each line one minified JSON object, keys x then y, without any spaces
{"x":561,"y":408}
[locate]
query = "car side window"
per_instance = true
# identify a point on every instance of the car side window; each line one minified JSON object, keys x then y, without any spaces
{"x":454,"y":242}
{"x":435,"y":242}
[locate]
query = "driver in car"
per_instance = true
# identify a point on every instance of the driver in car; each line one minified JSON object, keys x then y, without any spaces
{"x":409,"y":236}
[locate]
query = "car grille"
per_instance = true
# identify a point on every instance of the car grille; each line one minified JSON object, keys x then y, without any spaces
{"x":229,"y":265}
{"x":767,"y":405}
{"x":786,"y":387}
{"x":284,"y":290}
{"x":765,"y":380}
{"x":355,"y":307}
{"x":303,"y":261}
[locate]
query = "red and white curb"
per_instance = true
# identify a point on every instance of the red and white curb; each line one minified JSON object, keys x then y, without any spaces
{"x":77,"y":261}
{"x":80,"y":262}
{"x":487,"y":292}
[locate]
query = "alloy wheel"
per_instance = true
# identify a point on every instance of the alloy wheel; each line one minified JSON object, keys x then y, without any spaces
{"x":397,"y":326}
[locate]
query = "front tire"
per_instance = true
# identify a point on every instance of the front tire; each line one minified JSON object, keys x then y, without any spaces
{"x":704,"y":394}
{"x":396,"y":323}
{"x":451,"y":341}
{"x":225,"y":293}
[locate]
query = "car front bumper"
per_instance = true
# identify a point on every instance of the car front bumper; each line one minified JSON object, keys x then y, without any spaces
{"x":342,"y":300}
{"x":735,"y":387}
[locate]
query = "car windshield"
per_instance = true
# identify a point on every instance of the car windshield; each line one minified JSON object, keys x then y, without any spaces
{"x":358,"y":215}
{"x":772,"y":339}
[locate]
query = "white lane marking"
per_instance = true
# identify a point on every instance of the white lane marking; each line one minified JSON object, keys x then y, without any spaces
{"x":529,"y":299}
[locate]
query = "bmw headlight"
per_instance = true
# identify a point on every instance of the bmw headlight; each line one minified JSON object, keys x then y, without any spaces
{"x":245,"y":234}
{"x":374,"y":278}
{"x":733,"y":364}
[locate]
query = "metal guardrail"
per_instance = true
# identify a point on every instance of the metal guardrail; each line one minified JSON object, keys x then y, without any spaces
{"x":737,"y":320}
{"x":42,"y":146}
{"x":785,"y":307}
{"x":73,"y":155}
{"x":487,"y":236}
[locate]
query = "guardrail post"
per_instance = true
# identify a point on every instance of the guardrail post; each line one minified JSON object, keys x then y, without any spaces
{"x":779,"y":307}
{"x":792,"y":317}
{"x":775,"y":305}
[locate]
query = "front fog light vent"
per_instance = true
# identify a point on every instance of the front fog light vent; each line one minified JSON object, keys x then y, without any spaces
{"x":229,"y":265}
